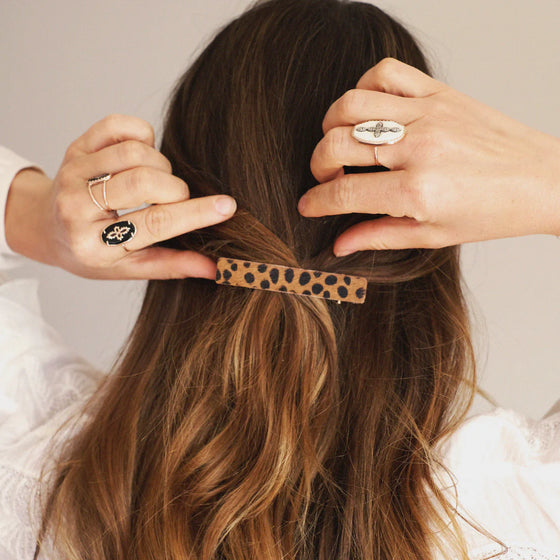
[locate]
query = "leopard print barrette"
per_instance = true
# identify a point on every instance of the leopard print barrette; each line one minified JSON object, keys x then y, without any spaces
{"x":277,"y":278}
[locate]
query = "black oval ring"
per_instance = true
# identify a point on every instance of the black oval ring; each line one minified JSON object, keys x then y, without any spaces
{"x":118,"y":233}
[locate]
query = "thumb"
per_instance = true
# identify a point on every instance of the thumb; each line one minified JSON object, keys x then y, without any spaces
{"x":164,"y":264}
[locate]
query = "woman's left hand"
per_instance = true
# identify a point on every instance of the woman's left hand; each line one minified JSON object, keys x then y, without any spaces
{"x":463,"y":171}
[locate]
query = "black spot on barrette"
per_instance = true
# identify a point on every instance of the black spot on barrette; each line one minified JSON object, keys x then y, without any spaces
{"x":227,"y":274}
{"x":274,"y":275}
{"x":249,"y":278}
{"x":360,"y":293}
{"x":218,"y":275}
{"x":317,"y":288}
{"x":326,"y":294}
{"x":265,"y":284}
{"x":246,"y":264}
{"x":262,"y":268}
{"x":316,"y":274}
{"x":347,"y":280}
{"x":342,"y":291}
{"x":330,"y":279}
{"x":304,"y":278}
{"x":289,"y":274}
{"x":234,"y":266}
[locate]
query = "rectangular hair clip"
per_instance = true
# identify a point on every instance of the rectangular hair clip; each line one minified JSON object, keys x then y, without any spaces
{"x":301,"y":281}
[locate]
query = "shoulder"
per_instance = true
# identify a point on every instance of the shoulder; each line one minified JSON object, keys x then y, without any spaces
{"x":504,"y":436}
{"x":505,"y":476}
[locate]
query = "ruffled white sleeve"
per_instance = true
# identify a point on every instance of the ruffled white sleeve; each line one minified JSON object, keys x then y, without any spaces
{"x":507,"y":477}
{"x":42,"y":381}
{"x":10,"y":164}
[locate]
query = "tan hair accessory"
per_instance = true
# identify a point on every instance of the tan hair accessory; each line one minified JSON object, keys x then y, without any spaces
{"x":277,"y":278}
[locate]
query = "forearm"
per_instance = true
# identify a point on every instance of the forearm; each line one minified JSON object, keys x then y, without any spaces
{"x":554,"y":185}
{"x":25,"y":212}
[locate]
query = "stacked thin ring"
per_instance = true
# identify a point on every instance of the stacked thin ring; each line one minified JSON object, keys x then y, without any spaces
{"x":100,"y":179}
{"x":378,"y":132}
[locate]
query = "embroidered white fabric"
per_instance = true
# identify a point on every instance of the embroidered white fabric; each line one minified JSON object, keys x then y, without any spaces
{"x":519,"y":553}
{"x":42,"y":382}
{"x":506,"y":466}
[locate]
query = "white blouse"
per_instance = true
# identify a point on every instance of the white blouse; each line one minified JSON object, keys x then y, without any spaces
{"x":506,"y":466}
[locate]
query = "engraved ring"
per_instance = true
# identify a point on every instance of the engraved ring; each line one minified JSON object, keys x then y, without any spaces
{"x":118,"y":233}
{"x":100,"y":179}
{"x":378,"y":132}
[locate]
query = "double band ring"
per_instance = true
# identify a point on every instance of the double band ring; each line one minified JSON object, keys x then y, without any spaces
{"x":100,"y":179}
{"x":378,"y":132}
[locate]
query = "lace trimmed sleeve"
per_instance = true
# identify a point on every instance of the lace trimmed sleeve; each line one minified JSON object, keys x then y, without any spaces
{"x":506,"y":470}
{"x":41,"y":381}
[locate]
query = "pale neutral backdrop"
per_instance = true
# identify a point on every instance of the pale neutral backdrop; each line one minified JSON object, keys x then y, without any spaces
{"x":65,"y":64}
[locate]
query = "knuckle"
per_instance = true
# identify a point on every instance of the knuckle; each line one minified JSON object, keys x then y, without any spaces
{"x":66,"y":175}
{"x":317,"y":162}
{"x":111,"y":126}
{"x":386,"y":66}
{"x":136,"y":179}
{"x":131,"y":152}
{"x":65,"y":206}
{"x":344,"y":192}
{"x":115,"y":124}
{"x":438,"y":106}
{"x":332,"y":144}
{"x":385,"y":71}
{"x":186,"y":190}
{"x":431,"y":141}
{"x":201,"y":207}
{"x":148,"y":131}
{"x":82,"y":249}
{"x":157,"y":220}
{"x":419,"y":192}
{"x":350,"y":102}
{"x":112,"y":122}
{"x":72,"y":152}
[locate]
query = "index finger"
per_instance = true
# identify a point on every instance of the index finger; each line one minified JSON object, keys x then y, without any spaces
{"x":386,"y":192}
{"x":113,"y":129}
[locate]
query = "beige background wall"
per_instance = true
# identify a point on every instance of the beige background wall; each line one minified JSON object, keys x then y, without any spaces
{"x":65,"y":64}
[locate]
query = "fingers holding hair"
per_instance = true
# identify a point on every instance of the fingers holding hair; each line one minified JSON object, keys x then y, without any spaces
{"x":395,"y":77}
{"x":111,"y":130}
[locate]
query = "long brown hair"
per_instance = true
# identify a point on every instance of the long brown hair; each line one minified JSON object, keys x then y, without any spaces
{"x":246,"y":424}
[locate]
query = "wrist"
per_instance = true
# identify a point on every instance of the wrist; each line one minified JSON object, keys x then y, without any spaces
{"x":553,"y":188}
{"x":25,"y":213}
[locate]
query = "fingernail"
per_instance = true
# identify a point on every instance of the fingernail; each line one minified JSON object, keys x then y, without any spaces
{"x":343,"y":252}
{"x":226,"y":205}
{"x":302,"y":204}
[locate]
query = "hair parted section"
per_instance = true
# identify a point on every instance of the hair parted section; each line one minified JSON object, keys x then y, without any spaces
{"x":246,"y":424}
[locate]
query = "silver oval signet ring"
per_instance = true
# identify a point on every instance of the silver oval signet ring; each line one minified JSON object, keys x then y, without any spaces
{"x":378,"y":132}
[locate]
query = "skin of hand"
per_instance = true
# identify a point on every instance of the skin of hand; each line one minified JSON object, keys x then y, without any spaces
{"x":463,"y":172}
{"x":57,"y":223}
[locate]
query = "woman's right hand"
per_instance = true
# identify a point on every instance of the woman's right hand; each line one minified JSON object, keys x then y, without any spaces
{"x":57,"y":223}
{"x":463,"y":172}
